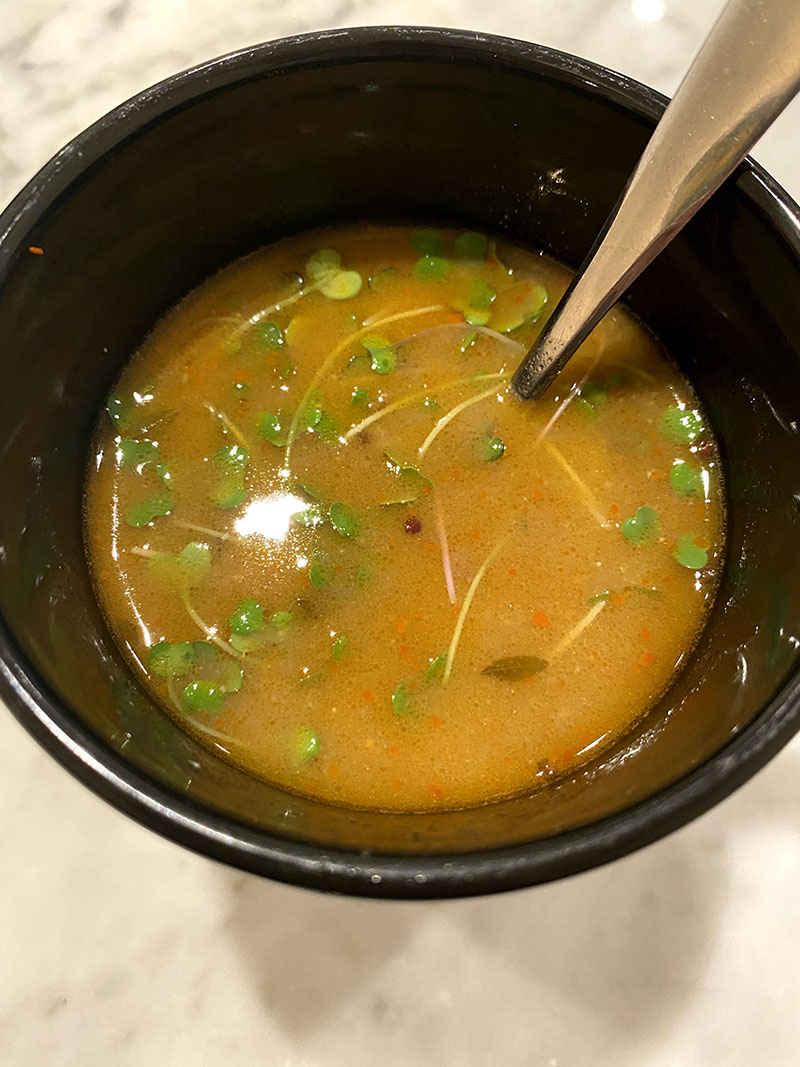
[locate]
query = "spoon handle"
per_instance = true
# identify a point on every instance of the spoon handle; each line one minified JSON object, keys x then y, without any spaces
{"x":746,"y":72}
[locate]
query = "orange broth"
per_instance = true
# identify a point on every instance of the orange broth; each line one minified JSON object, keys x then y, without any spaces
{"x":344,"y":556}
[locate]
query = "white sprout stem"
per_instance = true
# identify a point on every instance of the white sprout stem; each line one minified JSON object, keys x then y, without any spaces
{"x":462,"y":615}
{"x":145,"y":553}
{"x":446,"y":565}
{"x":445,"y":420}
{"x":576,"y":631}
{"x":205,"y":530}
{"x":421,"y":394}
{"x":464,"y":327}
{"x":257,"y":316}
{"x":331,"y":358}
{"x":565,"y":403}
{"x":209,"y":631}
{"x":229,"y":425}
{"x":585,"y":492}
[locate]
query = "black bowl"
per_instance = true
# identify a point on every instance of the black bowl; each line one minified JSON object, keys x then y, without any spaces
{"x":386,"y":124}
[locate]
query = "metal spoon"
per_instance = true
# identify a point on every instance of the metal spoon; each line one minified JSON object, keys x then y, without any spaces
{"x":746,"y":72}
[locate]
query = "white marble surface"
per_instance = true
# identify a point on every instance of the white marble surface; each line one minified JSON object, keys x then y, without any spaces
{"x":120,"y":949}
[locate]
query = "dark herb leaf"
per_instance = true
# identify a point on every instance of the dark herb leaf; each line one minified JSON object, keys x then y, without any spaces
{"x":515,"y":668}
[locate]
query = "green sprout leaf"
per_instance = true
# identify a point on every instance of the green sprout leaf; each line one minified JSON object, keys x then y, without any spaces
{"x":412,"y":483}
{"x":359,"y":397}
{"x":120,"y":410}
{"x":204,"y":696}
{"x":186,"y":568}
{"x":401,"y":701}
{"x":518,"y":304}
{"x":471,"y":245}
{"x":307,"y":744}
{"x":686,"y":479}
{"x":229,"y":463}
{"x":431,"y":268}
{"x":170,"y":661}
{"x":680,"y":424}
{"x":382,"y":357}
{"x":427,"y":242}
{"x":323,"y":264}
{"x":248,"y":617}
{"x":273,"y":428}
{"x":642,"y":529}
{"x":490,"y":448}
{"x":690,"y":555}
{"x":279,"y":622}
{"x":515,"y":668}
{"x":339,"y":648}
{"x":592,"y":397}
{"x":320,"y":574}
{"x":435,"y":668}
{"x":343,"y":519}
{"x":310,"y":517}
{"x":342,"y":286}
{"x":151,"y":507}
{"x":135,"y":455}
{"x":269,"y":334}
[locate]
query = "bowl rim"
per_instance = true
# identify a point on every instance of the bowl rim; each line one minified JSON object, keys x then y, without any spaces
{"x":183,"y":820}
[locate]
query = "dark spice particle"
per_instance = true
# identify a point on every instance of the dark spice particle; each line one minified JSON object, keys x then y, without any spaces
{"x":413,"y":525}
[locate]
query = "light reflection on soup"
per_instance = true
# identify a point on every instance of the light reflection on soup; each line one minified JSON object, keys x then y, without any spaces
{"x":344,"y":555}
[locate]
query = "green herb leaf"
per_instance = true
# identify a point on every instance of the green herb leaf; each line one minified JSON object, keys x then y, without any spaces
{"x":310,"y":517}
{"x":323,"y":264}
{"x":688,"y":554}
{"x":307,"y":744}
{"x":515,"y":668}
{"x":269,"y":334}
{"x":343,"y":519}
{"x":436,"y":667}
{"x":382,"y":356}
{"x":642,"y":529}
{"x":680,"y":424}
{"x":229,"y":463}
{"x":203,"y":696}
{"x":401,"y":701}
{"x":248,"y":617}
{"x":431,"y":268}
{"x":320,"y":574}
{"x":411,"y":482}
{"x":359,"y":397}
{"x":187,"y":568}
{"x":686,"y":479}
{"x":490,"y":448}
{"x":136,"y":455}
{"x":151,"y":507}
{"x":280,"y":621}
{"x":471,"y":245}
{"x":592,"y":396}
{"x":120,"y":410}
{"x":427,"y":242}
{"x":339,"y":648}
{"x":518,"y":304}
{"x":170,"y":661}
{"x":342,"y":286}
{"x":468,"y":341}
{"x":273,"y":428}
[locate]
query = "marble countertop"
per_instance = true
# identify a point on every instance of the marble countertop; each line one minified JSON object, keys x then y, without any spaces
{"x":118,"y":948}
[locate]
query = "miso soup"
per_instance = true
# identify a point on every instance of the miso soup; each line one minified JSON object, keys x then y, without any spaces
{"x":343,"y":555}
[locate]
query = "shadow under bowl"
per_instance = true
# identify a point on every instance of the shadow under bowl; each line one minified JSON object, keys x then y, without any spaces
{"x":386,"y":124}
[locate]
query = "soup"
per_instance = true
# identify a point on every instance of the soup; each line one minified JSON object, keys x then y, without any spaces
{"x":342,"y":553}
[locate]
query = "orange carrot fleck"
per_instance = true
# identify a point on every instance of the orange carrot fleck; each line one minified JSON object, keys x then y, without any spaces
{"x":394,"y":750}
{"x":400,"y":625}
{"x":476,"y":535}
{"x":429,"y":545}
{"x":36,"y":250}
{"x":484,"y":495}
{"x":541,"y":618}
{"x":613,"y":509}
{"x":506,"y":759}
{"x":645,"y":634}
{"x":219,"y":724}
{"x":398,"y":784}
{"x":538,"y":494}
{"x":512,"y":571}
{"x":435,"y":790}
{"x":369,"y":696}
{"x":453,"y":318}
{"x":333,"y":771}
{"x":646,"y":659}
{"x":456,"y":472}
{"x":436,"y":722}
{"x":700,"y":542}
